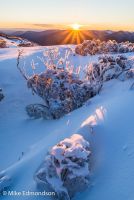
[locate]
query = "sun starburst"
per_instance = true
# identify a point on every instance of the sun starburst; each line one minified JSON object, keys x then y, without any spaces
{"x":76,"y":27}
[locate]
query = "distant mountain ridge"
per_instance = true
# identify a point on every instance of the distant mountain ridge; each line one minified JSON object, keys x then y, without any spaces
{"x":59,"y":37}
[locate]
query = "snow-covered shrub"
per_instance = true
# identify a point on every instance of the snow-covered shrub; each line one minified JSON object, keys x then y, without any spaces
{"x":93,"y":47}
{"x":61,"y":91}
{"x":59,"y":86}
{"x":2,"y":43}
{"x":80,"y":50}
{"x":38,"y":111}
{"x":5,"y":182}
{"x":66,"y":169}
{"x":107,"y":67}
{"x":26,"y":44}
{"x":130,"y":73}
{"x":127,"y":74}
{"x":1,"y":94}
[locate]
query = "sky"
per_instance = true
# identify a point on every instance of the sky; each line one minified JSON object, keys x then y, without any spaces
{"x":49,"y":14}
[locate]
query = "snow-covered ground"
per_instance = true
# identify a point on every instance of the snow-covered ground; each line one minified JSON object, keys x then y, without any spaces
{"x":14,"y":42}
{"x":25,"y":142}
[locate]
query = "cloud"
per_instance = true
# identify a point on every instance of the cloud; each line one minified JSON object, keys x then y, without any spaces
{"x":50,"y":26}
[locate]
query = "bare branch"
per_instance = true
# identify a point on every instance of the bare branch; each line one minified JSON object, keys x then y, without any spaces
{"x":20,"y":53}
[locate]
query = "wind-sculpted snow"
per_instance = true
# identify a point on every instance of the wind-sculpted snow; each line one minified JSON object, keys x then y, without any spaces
{"x":66,"y":170}
{"x":93,"y":47}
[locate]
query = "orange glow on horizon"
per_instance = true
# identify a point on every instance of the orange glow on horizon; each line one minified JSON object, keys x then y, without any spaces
{"x":75,"y":27}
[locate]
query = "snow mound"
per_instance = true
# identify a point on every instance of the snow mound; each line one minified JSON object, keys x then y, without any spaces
{"x":66,"y":170}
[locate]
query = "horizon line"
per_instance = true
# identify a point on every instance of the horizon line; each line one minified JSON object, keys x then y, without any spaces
{"x":63,"y":26}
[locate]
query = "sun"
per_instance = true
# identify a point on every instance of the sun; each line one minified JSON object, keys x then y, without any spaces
{"x":76,"y":27}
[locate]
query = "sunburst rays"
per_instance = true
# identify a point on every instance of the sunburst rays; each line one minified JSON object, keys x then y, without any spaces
{"x":73,"y":37}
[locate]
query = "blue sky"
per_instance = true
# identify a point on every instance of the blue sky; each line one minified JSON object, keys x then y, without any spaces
{"x":104,"y":14}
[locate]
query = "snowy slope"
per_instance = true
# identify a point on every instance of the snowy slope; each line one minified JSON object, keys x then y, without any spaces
{"x":25,"y":142}
{"x":14,"y":42}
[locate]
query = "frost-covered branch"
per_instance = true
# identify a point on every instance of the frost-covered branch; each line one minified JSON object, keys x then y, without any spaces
{"x":20,"y":54}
